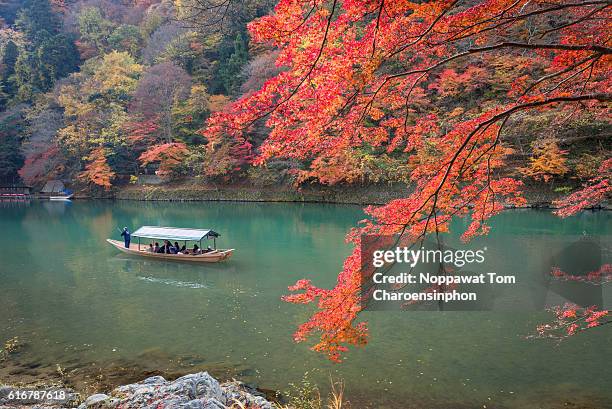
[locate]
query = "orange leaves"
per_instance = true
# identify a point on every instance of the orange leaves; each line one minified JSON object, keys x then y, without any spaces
{"x":142,"y":132}
{"x":98,"y":171}
{"x":338,"y":309}
{"x":169,"y":155}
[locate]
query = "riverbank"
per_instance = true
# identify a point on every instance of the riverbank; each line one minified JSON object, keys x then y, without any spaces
{"x":537,"y":196}
{"x":248,"y":193}
{"x":195,"y":391}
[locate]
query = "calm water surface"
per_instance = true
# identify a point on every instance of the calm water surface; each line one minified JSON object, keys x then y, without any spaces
{"x":75,"y":301}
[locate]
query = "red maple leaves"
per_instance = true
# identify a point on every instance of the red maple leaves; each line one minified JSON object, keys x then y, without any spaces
{"x":375,"y":74}
{"x":570,"y":320}
{"x":169,"y":156}
{"x":597,"y":190}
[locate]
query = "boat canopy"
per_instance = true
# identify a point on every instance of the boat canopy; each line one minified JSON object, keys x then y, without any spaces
{"x":174,"y":233}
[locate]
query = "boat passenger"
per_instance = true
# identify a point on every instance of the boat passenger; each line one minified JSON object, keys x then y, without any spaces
{"x":177,"y":247}
{"x":126,"y":237}
{"x":164,"y":249}
{"x":196,"y":250}
{"x":156,"y":248}
{"x":151,"y":249}
{"x":183,"y":249}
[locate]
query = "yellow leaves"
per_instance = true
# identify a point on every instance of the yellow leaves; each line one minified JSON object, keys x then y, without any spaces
{"x":456,"y":112}
{"x":548,"y":161}
{"x":117,"y":72}
{"x":70,"y":138}
{"x":354,"y":166}
{"x":95,"y":105}
{"x":70,"y":99}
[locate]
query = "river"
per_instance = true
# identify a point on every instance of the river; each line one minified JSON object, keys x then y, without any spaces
{"x":75,"y":302}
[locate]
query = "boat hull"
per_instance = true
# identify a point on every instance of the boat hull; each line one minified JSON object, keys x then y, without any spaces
{"x":211,"y":257}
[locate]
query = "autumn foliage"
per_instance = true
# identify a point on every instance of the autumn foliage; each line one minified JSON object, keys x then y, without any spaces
{"x":168,"y":155}
{"x":547,"y":161}
{"x":359,"y":75}
{"x":570,"y":320}
{"x":591,"y":194}
{"x":97,"y":171}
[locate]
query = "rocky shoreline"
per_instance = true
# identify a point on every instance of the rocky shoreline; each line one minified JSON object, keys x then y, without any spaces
{"x":193,"y":391}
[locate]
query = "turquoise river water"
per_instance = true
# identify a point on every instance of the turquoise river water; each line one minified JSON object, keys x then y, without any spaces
{"x":74,"y":301}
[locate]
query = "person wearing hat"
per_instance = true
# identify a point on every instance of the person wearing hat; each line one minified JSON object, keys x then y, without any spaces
{"x":126,"y":237}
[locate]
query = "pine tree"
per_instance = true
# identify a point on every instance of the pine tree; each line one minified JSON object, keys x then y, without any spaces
{"x":9,"y":59}
{"x":11,"y":158}
{"x":230,"y":68}
{"x":49,"y":55}
{"x":37,"y":20}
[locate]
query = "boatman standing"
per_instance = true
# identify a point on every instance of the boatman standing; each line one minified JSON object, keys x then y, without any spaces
{"x":126,"y":237}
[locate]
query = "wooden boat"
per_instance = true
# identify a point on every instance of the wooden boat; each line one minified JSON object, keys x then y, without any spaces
{"x":173,"y":234}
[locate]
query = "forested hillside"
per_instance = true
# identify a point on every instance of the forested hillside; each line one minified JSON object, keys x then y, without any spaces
{"x":97,"y":92}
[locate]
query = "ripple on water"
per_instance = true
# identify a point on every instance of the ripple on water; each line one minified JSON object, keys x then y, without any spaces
{"x":174,"y":283}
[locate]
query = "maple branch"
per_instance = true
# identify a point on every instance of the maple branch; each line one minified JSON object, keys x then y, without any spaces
{"x":577,"y":21}
{"x":572,"y":76}
{"x":510,"y":20}
{"x":475,"y":50}
{"x":310,"y":70}
{"x":424,"y":33}
{"x":600,"y":50}
{"x":380,"y":10}
{"x":556,"y":74}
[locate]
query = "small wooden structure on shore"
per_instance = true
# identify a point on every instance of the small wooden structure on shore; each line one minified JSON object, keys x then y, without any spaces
{"x":15,"y":192}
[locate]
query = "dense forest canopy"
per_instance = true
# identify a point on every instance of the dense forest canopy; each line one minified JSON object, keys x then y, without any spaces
{"x":463,"y":102}
{"x":125,"y":87}
{"x":98,"y":91}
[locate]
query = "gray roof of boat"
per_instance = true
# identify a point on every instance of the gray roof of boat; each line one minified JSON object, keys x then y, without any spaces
{"x":174,"y":233}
